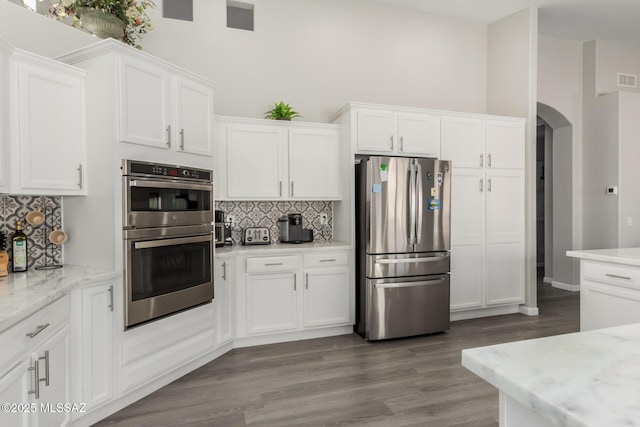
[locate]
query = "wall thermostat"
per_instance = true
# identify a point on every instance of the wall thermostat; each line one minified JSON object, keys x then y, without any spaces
{"x":612,"y":190}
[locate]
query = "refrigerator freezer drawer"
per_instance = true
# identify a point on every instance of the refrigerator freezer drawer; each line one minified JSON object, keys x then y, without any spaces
{"x":405,"y":265}
{"x":402,"y":308}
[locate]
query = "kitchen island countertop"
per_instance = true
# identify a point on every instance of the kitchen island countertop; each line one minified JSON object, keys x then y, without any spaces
{"x":22,"y":294}
{"x":582,"y":379}
{"x":628,"y":256}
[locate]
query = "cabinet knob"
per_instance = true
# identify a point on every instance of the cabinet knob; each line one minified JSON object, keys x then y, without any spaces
{"x":391,"y":138}
{"x":182,"y":139}
{"x":402,"y":143}
{"x":79,"y":169}
{"x":169,"y":136}
{"x":489,"y":159}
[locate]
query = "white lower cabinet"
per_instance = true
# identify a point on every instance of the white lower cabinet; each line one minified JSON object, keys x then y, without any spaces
{"x":93,"y":328}
{"x":34,"y":378}
{"x":294,"y":293}
{"x":224,"y":298}
{"x":272,"y":302}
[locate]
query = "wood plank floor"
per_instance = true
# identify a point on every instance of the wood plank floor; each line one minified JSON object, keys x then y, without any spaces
{"x":345,"y":381}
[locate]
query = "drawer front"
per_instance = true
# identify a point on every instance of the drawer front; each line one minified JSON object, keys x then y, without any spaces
{"x":40,"y":326}
{"x":614,"y":274}
{"x":328,"y":259}
{"x":271,"y":264}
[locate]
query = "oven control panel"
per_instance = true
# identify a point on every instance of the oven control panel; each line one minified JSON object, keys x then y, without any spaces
{"x":256,"y":236}
{"x":166,"y":171}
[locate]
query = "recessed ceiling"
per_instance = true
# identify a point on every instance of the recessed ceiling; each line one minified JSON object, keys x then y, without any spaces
{"x":580,"y":20}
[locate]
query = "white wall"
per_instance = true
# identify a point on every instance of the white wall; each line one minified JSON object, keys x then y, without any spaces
{"x":614,"y":58}
{"x":560,"y":90}
{"x":318,"y":55}
{"x":512,"y":50}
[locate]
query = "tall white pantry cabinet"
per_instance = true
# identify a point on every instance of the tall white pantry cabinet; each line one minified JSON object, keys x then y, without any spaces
{"x":487,"y":208}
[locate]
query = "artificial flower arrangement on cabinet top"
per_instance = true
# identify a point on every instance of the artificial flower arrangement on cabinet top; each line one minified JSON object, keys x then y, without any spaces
{"x":132,"y":19}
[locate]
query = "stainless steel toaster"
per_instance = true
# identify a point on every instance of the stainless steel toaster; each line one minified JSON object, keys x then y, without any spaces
{"x":256,"y":236}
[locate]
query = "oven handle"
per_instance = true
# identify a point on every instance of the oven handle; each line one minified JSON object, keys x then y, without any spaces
{"x":171,"y":242}
{"x":169,"y":184}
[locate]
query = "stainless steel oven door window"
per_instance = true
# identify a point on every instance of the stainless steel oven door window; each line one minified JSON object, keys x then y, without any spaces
{"x":167,"y":275}
{"x":150,"y":202}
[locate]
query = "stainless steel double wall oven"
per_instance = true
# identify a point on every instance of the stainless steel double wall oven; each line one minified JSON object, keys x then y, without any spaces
{"x":168,"y":239}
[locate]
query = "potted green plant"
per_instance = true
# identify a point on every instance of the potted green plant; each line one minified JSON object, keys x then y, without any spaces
{"x":124,"y":20}
{"x":281,"y":111}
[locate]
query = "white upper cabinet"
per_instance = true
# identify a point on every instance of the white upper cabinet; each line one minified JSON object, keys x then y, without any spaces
{"x":256,"y":162}
{"x":504,"y":147}
{"x":145,"y":104}
{"x":164,"y":109}
{"x":42,"y":126}
{"x":462,"y":141}
{"x":314,"y":164}
{"x":265,"y":160}
{"x":383,"y":131}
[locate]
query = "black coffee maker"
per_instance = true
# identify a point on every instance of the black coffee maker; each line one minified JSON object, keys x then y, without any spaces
{"x":291,"y":230}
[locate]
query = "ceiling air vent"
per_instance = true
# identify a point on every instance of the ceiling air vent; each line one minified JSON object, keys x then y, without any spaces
{"x":626,"y":80}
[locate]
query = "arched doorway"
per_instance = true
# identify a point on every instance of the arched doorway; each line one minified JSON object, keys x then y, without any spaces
{"x":558,"y":228}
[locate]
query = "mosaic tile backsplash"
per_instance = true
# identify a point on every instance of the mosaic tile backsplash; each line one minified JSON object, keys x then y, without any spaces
{"x":266,"y":214}
{"x":13,"y":208}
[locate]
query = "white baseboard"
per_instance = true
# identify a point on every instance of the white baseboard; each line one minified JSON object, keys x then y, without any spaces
{"x":566,"y":286}
{"x":529,"y":311}
{"x":483,"y":312}
{"x":292,"y":336}
{"x":548,"y":280}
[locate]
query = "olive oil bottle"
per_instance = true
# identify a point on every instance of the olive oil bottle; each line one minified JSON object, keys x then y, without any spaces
{"x":18,"y":249}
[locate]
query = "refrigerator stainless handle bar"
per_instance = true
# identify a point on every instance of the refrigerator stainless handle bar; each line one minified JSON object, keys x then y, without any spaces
{"x":412,"y":206}
{"x":418,"y":178}
{"x":410,"y":260}
{"x":407,"y":284}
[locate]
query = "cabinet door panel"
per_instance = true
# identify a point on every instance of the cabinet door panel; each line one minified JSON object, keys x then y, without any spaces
{"x":326,"y":297}
{"x":462,"y":141}
{"x":4,"y":129}
{"x":419,"y":134}
{"x":314,"y":164}
{"x":194,"y":117}
{"x":254,"y":162}
{"x":505,"y":144}
{"x":271,"y":302}
{"x":505,"y":237}
{"x":375,"y":131}
{"x":144,"y":104}
{"x":223,"y":300}
{"x":50,"y":151}
{"x":97,"y":339}
{"x":467,"y":238}
{"x":14,"y":386}
{"x":604,"y":306}
{"x":57,"y":391}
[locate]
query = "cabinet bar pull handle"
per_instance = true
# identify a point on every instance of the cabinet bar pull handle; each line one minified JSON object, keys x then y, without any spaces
{"x":489,"y":185}
{"x":224,"y":271}
{"x":79,"y":175}
{"x":39,"y":329}
{"x":46,"y":368}
{"x":280,"y":188}
{"x":295,"y":282}
{"x":36,"y":368}
{"x":182,"y":139}
{"x":618,"y":277}
{"x":481,"y":184}
{"x":328,"y":260}
{"x":307,"y":280}
{"x":481,"y":160}
{"x":111,"y":297}
{"x":169,"y":136}
{"x":291,"y":188}
{"x":402,"y":143}
{"x":391,"y":142}
{"x":273,"y":263}
{"x":489,"y":159}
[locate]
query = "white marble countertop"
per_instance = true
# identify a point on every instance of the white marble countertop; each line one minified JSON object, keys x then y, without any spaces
{"x":277,"y":248}
{"x":582,"y":379}
{"x":22,"y":294}
{"x":629,"y":256}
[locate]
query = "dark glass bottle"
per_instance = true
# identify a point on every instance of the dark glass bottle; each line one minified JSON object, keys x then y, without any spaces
{"x":18,"y":249}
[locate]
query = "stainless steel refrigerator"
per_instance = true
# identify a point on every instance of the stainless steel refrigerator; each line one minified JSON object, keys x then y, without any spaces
{"x":402,"y":246}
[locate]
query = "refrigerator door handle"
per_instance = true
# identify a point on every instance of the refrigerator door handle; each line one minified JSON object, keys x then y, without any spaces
{"x":408,"y":284}
{"x":418,"y":178}
{"x":410,"y":260}
{"x":412,"y":206}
